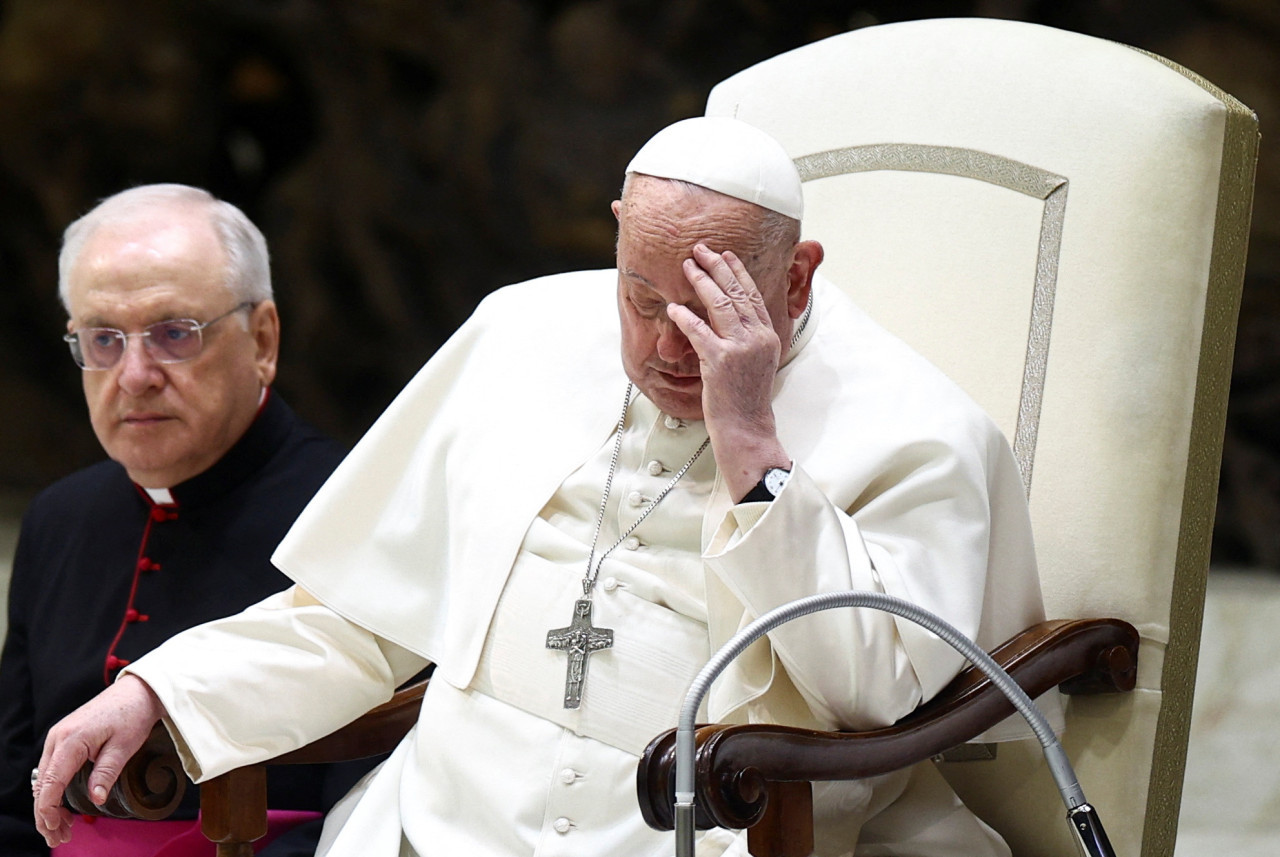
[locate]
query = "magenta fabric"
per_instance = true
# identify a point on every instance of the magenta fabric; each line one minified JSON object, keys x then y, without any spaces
{"x":115,"y":837}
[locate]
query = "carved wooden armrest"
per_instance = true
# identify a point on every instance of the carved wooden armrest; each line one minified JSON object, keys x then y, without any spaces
{"x":150,"y":786}
{"x":738,"y":768}
{"x":153,"y":783}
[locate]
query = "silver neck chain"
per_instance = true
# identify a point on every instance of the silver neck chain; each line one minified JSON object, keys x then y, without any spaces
{"x":593,"y":565}
{"x":804,"y":320}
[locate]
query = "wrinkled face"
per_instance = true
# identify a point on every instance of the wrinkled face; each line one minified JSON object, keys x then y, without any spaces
{"x":658,"y":225}
{"x":168,"y":422}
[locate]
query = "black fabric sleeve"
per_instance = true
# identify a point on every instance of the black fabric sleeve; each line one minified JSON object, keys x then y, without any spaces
{"x":19,"y":745}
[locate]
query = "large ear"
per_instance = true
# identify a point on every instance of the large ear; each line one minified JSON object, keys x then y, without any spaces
{"x":805,"y":260}
{"x":264,"y":326}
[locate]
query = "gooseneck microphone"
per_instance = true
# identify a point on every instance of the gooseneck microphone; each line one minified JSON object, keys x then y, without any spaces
{"x":1084,"y":821}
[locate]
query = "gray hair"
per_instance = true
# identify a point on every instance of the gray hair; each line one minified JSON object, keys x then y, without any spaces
{"x":777,"y":231}
{"x":248,"y":270}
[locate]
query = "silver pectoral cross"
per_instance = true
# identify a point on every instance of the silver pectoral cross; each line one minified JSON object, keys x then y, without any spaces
{"x":579,"y":640}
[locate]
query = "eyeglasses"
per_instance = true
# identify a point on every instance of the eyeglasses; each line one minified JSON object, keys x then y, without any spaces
{"x":174,"y":341}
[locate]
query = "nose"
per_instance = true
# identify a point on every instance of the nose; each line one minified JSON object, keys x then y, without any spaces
{"x":673,"y":346}
{"x":138,"y":371}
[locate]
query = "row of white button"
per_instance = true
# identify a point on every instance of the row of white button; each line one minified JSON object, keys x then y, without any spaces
{"x":568,"y":776}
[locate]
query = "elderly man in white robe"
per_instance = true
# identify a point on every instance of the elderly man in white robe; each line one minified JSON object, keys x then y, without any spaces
{"x":568,"y":537}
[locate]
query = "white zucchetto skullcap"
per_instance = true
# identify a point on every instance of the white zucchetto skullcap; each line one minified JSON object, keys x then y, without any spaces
{"x":724,"y":155}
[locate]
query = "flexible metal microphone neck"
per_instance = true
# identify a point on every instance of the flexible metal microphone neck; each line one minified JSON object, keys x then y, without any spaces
{"x":1084,"y":821}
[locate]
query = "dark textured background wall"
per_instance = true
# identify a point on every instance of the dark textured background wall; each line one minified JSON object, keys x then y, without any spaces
{"x":405,"y":157}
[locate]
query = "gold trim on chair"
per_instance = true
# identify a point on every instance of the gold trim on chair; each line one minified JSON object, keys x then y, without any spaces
{"x":1003,"y":172}
{"x":1200,"y":494}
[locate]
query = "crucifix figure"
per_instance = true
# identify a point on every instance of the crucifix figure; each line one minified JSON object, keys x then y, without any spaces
{"x":579,"y":640}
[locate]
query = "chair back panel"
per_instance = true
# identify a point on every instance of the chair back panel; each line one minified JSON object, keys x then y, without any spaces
{"x":1059,"y":223}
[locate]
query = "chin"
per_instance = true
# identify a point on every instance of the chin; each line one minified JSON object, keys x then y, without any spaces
{"x":141,"y":457}
{"x":149,"y":474}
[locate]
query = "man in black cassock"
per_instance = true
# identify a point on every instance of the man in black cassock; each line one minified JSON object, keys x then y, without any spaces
{"x":171,"y":319}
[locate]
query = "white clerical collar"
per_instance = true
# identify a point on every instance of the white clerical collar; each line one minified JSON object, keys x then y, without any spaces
{"x":160,"y":496}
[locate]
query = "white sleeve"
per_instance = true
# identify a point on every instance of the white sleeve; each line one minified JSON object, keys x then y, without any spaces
{"x":766,"y":555}
{"x":278,"y":675}
{"x":925,"y":534}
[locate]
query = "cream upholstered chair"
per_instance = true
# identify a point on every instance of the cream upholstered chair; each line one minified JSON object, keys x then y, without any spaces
{"x":1059,"y":223}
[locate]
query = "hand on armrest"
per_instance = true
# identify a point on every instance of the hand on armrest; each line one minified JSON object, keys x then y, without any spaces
{"x":106,"y":730}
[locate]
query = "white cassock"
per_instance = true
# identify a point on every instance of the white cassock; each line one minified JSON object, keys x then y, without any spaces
{"x":457,"y":532}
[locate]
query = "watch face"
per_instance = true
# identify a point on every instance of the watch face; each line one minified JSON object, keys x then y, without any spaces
{"x":775,"y":478}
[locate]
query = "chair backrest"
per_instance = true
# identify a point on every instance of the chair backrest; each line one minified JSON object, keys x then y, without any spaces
{"x":1059,"y":222}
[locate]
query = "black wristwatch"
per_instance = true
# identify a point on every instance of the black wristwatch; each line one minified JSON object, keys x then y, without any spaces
{"x":769,"y":486}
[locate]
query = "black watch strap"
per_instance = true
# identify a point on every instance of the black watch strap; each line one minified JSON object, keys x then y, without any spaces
{"x":769,"y":486}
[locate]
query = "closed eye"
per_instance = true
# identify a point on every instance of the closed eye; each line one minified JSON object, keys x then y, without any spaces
{"x":647,"y":308}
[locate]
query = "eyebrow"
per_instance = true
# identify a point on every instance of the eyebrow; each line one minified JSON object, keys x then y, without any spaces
{"x":95,"y":321}
{"x":98,"y":320}
{"x":636,"y":275}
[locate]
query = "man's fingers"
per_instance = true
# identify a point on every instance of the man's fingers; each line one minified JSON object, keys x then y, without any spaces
{"x":697,"y":331}
{"x":62,"y":759}
{"x":58,"y":831}
{"x":107,"y":729}
{"x":723,"y":315}
{"x":58,"y":764}
{"x":726,"y":288}
{"x":749,"y":288}
{"x":53,"y":821}
{"x":106,"y":770}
